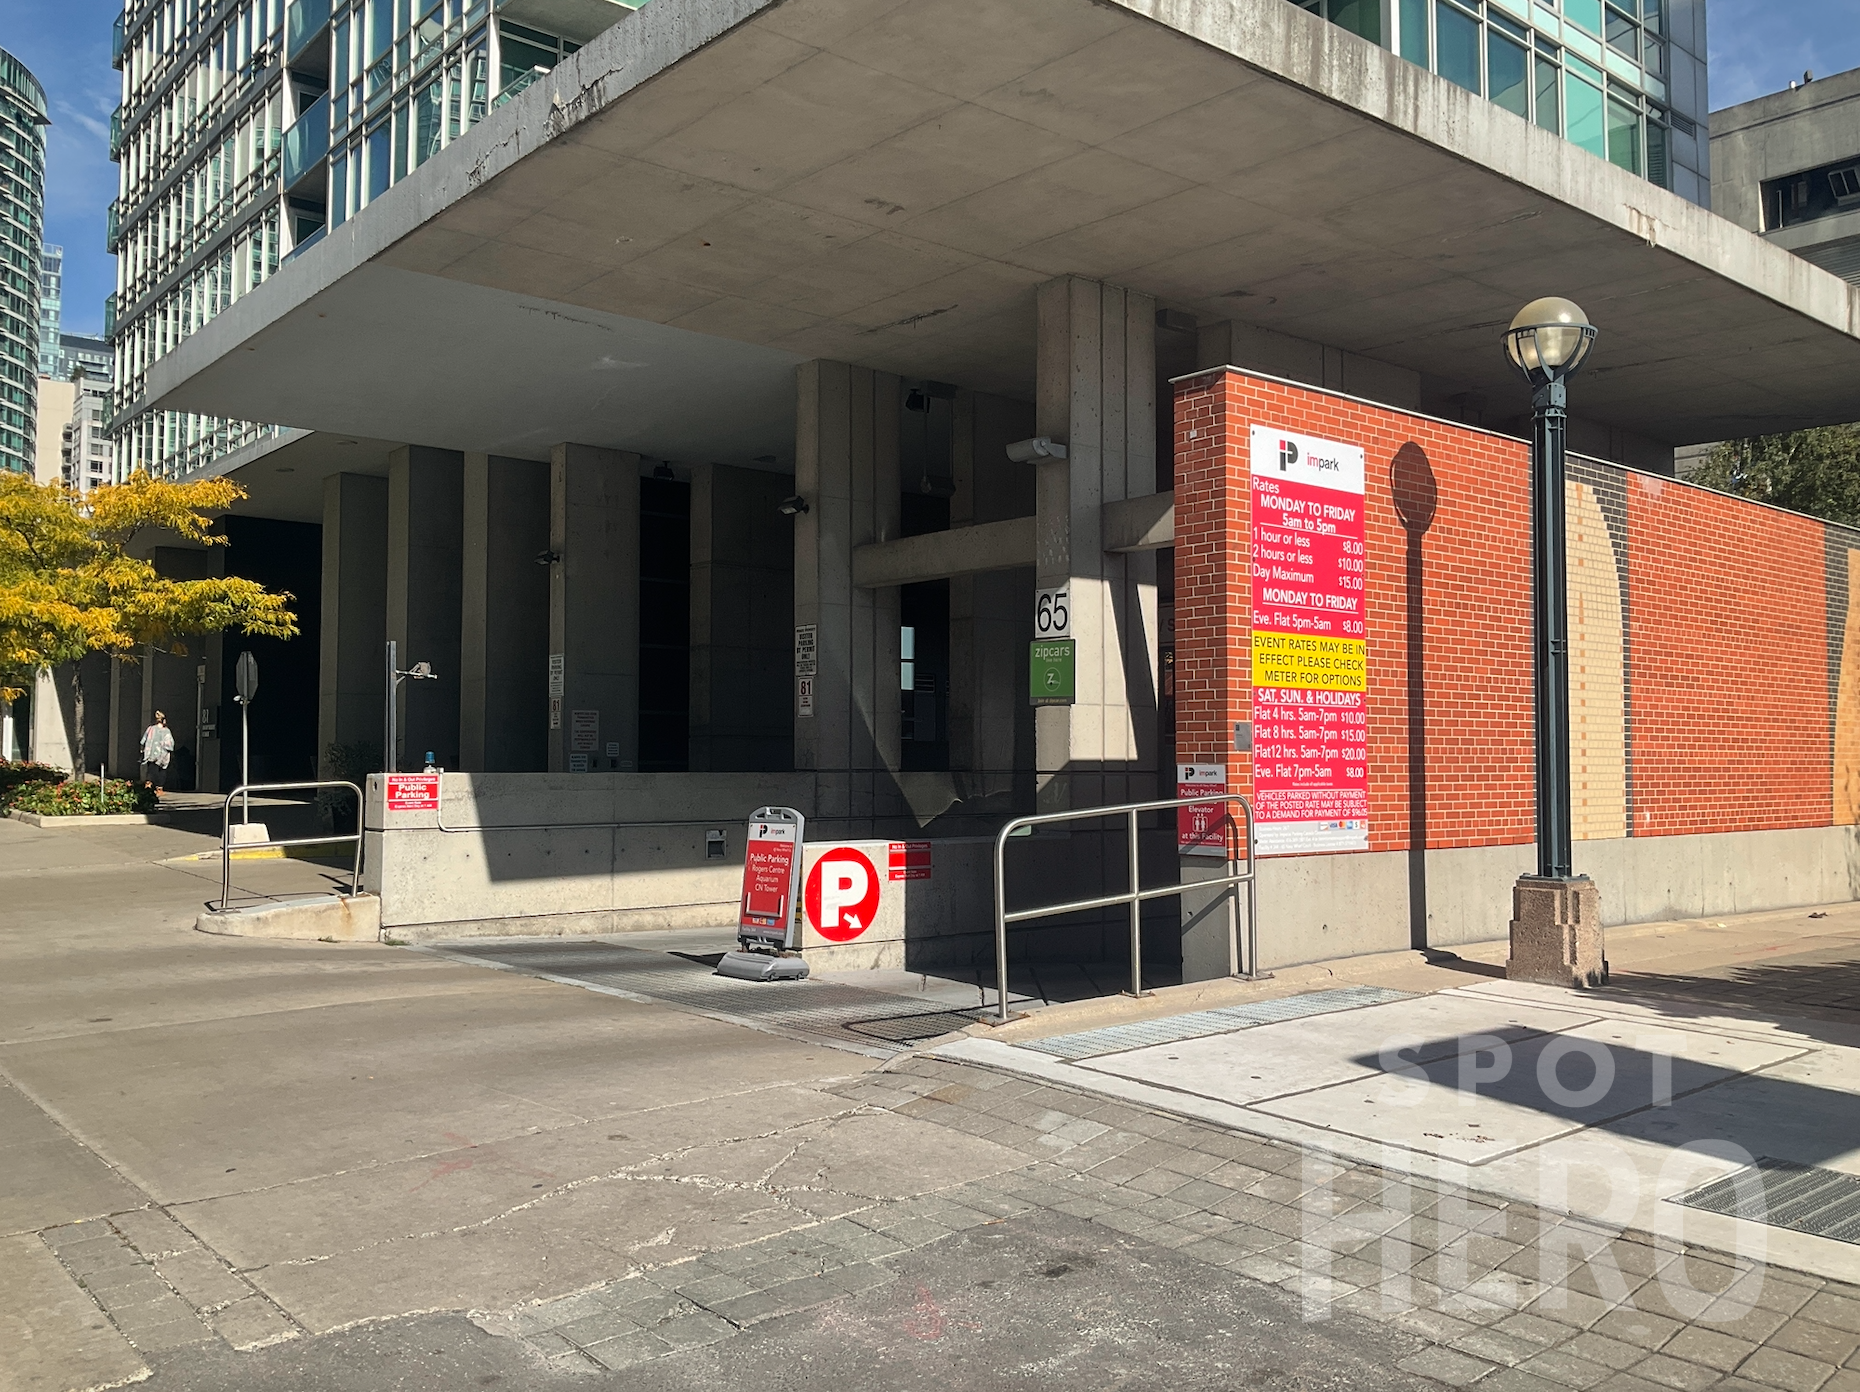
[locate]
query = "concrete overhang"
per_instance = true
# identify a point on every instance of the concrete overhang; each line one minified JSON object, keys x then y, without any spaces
{"x":637,"y":250}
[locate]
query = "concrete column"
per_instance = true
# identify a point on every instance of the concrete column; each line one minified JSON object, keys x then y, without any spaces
{"x":742,"y":621}
{"x":1096,"y":393}
{"x":846,"y":467}
{"x":425,"y":560}
{"x":594,"y":601}
{"x":351,"y":682}
{"x":504,"y":617}
{"x":991,"y":615}
{"x":126,"y":725}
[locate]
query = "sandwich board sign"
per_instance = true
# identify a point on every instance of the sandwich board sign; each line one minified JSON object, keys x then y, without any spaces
{"x":771,"y":878}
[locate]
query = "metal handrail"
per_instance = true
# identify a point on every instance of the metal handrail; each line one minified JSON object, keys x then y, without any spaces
{"x":226,"y":849}
{"x":1134,"y":896}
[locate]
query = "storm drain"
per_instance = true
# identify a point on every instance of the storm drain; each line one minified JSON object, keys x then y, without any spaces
{"x":1173,"y":1029}
{"x":825,"y":1012}
{"x":1783,"y":1194}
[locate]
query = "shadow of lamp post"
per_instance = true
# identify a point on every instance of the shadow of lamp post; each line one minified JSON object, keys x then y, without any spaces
{"x":1556,"y":933}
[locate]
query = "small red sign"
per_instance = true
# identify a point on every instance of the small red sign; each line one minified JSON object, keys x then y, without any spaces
{"x":842,"y":894}
{"x":1201,"y":829}
{"x":768,"y":876}
{"x":910,"y":860}
{"x":413,"y":792}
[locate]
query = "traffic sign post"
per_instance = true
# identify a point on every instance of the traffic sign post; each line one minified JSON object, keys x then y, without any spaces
{"x":245,"y":683}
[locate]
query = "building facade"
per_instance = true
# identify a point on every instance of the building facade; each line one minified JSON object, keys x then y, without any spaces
{"x":1788,"y":167}
{"x":51,"y":310}
{"x":23,"y":120}
{"x":247,"y":130}
{"x":1624,"y":79}
{"x":714,"y":414}
{"x":86,"y":455}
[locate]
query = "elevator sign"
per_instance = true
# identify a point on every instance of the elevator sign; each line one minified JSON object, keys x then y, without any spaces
{"x":771,"y":876}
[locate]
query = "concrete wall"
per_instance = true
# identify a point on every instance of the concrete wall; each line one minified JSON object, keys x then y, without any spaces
{"x":504,"y":616}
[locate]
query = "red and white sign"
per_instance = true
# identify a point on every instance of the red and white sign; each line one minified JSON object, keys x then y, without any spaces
{"x":1310,"y":659}
{"x":842,"y":894}
{"x":413,"y":792}
{"x":910,"y":860}
{"x":771,"y":858}
{"x":1202,"y":829}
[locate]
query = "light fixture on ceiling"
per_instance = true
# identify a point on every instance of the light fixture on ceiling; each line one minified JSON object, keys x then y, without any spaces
{"x":1040,"y":447}
{"x":792,"y":506}
{"x":663,"y":471}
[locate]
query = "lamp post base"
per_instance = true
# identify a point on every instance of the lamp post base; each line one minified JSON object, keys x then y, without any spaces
{"x":1556,"y":932}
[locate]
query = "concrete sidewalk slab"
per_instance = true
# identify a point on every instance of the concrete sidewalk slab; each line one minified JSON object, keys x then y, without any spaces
{"x":53,"y":1334}
{"x":1325,"y":1083}
{"x":49,"y":1178}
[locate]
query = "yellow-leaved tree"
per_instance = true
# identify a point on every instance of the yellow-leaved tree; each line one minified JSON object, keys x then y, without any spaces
{"x":69,"y":587}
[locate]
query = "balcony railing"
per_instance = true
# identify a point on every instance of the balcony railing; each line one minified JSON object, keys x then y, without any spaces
{"x":303,"y":246}
{"x":109,"y":316}
{"x":306,"y":142}
{"x":116,"y":133}
{"x":522,"y":82}
{"x":117,"y":41}
{"x":302,"y":23}
{"x":112,"y":230}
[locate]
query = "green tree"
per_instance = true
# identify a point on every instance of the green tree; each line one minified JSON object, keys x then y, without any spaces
{"x":1812,"y":471}
{"x":69,"y":587}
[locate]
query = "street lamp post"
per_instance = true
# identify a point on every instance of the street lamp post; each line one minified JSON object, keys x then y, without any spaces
{"x":1556,"y":933}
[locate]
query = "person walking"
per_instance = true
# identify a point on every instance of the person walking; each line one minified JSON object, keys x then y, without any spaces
{"x":157,"y":750}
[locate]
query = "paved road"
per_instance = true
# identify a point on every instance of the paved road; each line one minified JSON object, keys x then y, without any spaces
{"x":256,"y":1165}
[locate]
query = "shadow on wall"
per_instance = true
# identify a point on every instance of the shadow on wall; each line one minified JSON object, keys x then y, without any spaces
{"x":1417,"y":500}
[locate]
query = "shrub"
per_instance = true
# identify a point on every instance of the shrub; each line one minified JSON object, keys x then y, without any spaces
{"x":75,"y":799}
{"x":15,"y":778}
{"x":353,"y":762}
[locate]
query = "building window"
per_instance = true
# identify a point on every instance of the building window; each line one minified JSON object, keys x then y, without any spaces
{"x":1508,"y":65}
{"x":1814,"y":193}
{"x":1583,"y":123}
{"x":1456,"y":34}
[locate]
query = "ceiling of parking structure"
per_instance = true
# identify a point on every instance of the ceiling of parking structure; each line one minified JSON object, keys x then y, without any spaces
{"x":721,"y":188}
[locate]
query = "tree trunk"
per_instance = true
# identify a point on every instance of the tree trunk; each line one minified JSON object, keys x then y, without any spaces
{"x":77,"y":717}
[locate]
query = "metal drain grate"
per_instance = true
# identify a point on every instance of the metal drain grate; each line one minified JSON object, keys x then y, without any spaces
{"x":1117,"y":1039}
{"x":910,"y":1029}
{"x":827,"y":1012}
{"x":1783,"y":1194}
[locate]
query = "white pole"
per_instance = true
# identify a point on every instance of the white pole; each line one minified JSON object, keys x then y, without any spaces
{"x":245,"y":757}
{"x":389,"y":765}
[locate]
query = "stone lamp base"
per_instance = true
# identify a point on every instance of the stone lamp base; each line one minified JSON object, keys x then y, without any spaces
{"x":1556,"y":933}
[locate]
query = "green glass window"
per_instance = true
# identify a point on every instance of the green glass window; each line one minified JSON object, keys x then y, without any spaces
{"x":338,"y":190}
{"x":1623,"y":34}
{"x":380,"y":28}
{"x":1587,"y":13}
{"x":1583,"y":123}
{"x":1457,"y":35}
{"x":377,"y":154}
{"x":1623,"y":135}
{"x":403,"y":138}
{"x":1362,"y":17}
{"x":426,"y":111}
{"x":1508,"y":66}
{"x":1650,"y":13}
{"x":1414,"y":32}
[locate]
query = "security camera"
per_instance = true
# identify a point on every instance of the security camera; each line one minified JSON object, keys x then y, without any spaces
{"x":792,"y":506}
{"x":1040,"y":447}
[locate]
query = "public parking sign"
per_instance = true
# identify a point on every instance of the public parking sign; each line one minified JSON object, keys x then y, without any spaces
{"x":842,"y":894}
{"x":771,"y":877}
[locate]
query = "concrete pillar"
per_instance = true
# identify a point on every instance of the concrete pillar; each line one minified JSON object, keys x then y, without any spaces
{"x":504,"y":617}
{"x":1096,"y":393}
{"x":846,"y":467}
{"x":126,"y":723}
{"x":51,"y":740}
{"x":594,"y":605}
{"x":351,"y":672}
{"x":991,"y":615}
{"x":425,"y":560}
{"x":742,"y":621}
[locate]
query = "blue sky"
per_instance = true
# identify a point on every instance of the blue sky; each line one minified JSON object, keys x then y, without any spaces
{"x":1757,"y":46}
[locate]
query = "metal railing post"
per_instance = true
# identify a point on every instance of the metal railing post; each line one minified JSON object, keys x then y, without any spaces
{"x":246,"y":790}
{"x":1136,"y":915}
{"x":1136,"y":895}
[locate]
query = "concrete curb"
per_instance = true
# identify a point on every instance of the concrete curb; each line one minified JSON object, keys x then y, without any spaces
{"x":323,"y":919}
{"x":40,"y":819}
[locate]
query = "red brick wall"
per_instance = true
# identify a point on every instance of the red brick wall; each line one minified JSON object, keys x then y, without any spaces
{"x":1728,"y":673}
{"x":1727,"y":613}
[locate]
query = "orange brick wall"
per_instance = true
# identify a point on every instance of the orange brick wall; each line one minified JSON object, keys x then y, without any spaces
{"x":1728,"y":688}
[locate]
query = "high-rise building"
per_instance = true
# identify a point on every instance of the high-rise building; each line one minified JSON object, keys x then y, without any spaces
{"x":1788,"y":166}
{"x":51,"y":309}
{"x":87,"y":458}
{"x":91,"y":355}
{"x":22,"y":234}
{"x":1624,"y":79}
{"x":248,"y":130}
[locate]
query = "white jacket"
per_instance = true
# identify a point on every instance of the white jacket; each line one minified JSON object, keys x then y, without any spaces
{"x":157,"y":745}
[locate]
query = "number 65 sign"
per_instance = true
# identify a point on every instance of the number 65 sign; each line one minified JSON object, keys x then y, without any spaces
{"x":1052,"y":613}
